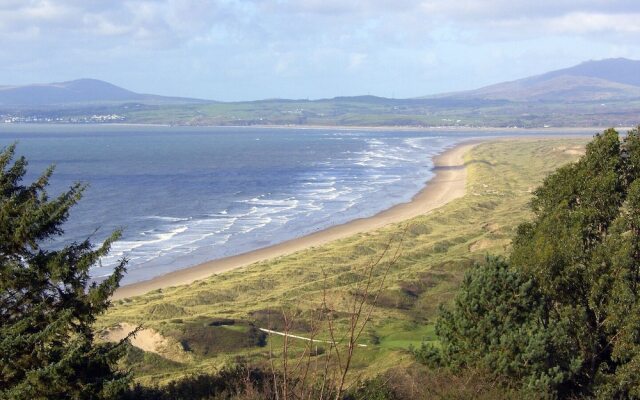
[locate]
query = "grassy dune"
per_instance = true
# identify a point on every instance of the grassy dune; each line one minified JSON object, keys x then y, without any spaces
{"x":216,"y":319}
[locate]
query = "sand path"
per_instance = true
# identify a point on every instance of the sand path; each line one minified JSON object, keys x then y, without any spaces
{"x":272,"y":332}
{"x":447,"y":184}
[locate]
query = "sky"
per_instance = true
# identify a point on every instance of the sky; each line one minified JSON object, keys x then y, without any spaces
{"x":234,"y":50}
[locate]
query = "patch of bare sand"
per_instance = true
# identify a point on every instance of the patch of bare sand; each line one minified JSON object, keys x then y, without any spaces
{"x":491,"y":227}
{"x":145,"y":339}
{"x":573,"y":150}
{"x":481,"y":244}
{"x":489,"y":244}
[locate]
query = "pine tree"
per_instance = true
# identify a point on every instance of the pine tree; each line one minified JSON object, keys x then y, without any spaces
{"x":563,"y":315}
{"x":499,"y":325}
{"x":47,"y":300}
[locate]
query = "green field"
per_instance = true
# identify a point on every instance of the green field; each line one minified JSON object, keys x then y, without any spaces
{"x":375,"y":111}
{"x":215,"y":321}
{"x":351,"y":111}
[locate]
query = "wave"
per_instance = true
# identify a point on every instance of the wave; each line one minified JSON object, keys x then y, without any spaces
{"x":171,"y":219}
{"x":345,"y":186}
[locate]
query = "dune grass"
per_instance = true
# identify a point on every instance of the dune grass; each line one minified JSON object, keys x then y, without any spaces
{"x":436,"y":250}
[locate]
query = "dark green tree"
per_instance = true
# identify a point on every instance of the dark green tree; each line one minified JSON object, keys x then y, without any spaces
{"x":500,"y":325}
{"x":47,"y":300}
{"x":563,"y":315}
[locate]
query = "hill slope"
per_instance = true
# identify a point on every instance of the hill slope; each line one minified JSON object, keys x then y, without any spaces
{"x":610,"y":79}
{"x":75,"y":92}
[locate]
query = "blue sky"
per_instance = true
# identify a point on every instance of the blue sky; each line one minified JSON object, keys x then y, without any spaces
{"x":256,"y":49}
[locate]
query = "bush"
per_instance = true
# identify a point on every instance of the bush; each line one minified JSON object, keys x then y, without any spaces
{"x":204,"y":339}
{"x":165,"y":311}
{"x":498,"y":324}
{"x":372,"y":389}
{"x":238,"y":382}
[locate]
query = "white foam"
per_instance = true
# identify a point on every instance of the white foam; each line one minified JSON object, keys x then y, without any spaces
{"x":170,"y":219}
{"x":333,"y":193}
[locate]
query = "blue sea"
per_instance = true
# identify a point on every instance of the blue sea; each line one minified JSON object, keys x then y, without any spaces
{"x":185,"y":195}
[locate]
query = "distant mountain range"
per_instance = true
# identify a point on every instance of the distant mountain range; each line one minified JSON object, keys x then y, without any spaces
{"x":77,"y":92}
{"x":594,"y":93}
{"x":604,"y":80}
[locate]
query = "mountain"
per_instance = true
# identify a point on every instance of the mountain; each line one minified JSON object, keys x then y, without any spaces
{"x":603,"y":80}
{"x":594,"y":93}
{"x":77,"y":92}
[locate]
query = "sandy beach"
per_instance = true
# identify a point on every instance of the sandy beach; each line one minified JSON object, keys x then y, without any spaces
{"x":447,"y":184}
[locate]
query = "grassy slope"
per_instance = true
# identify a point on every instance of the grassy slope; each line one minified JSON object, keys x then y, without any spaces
{"x":436,"y":250}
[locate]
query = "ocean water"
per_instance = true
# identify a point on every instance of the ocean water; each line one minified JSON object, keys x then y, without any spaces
{"x":185,"y":195}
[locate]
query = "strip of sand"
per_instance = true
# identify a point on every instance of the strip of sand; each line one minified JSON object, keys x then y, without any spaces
{"x":447,"y":184}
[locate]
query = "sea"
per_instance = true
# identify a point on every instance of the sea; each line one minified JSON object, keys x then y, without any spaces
{"x":186,"y":195}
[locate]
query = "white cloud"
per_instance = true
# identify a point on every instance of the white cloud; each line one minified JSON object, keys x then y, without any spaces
{"x":170,"y":23}
{"x":589,"y":23}
{"x":145,"y":22}
{"x":356,"y":60}
{"x":308,"y":42}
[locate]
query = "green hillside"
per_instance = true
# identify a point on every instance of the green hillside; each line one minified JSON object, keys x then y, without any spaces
{"x":383,"y":112}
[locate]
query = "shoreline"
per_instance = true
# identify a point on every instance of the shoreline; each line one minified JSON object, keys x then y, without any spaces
{"x":395,"y":128}
{"x":407,"y":128}
{"x":448,"y":183}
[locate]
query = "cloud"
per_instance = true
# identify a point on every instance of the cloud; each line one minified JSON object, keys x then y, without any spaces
{"x":507,"y":10}
{"x":356,"y":60}
{"x":302,"y":44}
{"x":139,"y":22}
{"x":595,"y":23}
{"x":570,"y":16}
{"x":173,"y":23}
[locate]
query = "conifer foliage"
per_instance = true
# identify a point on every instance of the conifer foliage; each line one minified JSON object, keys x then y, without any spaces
{"x":562,"y":315}
{"x":47,"y":300}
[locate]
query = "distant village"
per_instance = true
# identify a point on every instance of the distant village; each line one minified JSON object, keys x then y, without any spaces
{"x":39,"y":119}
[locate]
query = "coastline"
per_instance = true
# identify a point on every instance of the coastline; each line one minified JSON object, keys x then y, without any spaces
{"x":448,"y":184}
{"x":577,"y":130}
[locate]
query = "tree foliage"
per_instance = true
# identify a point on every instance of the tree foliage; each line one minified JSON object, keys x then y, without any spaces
{"x":562,"y":315}
{"x":499,"y":324}
{"x":47,"y":300}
